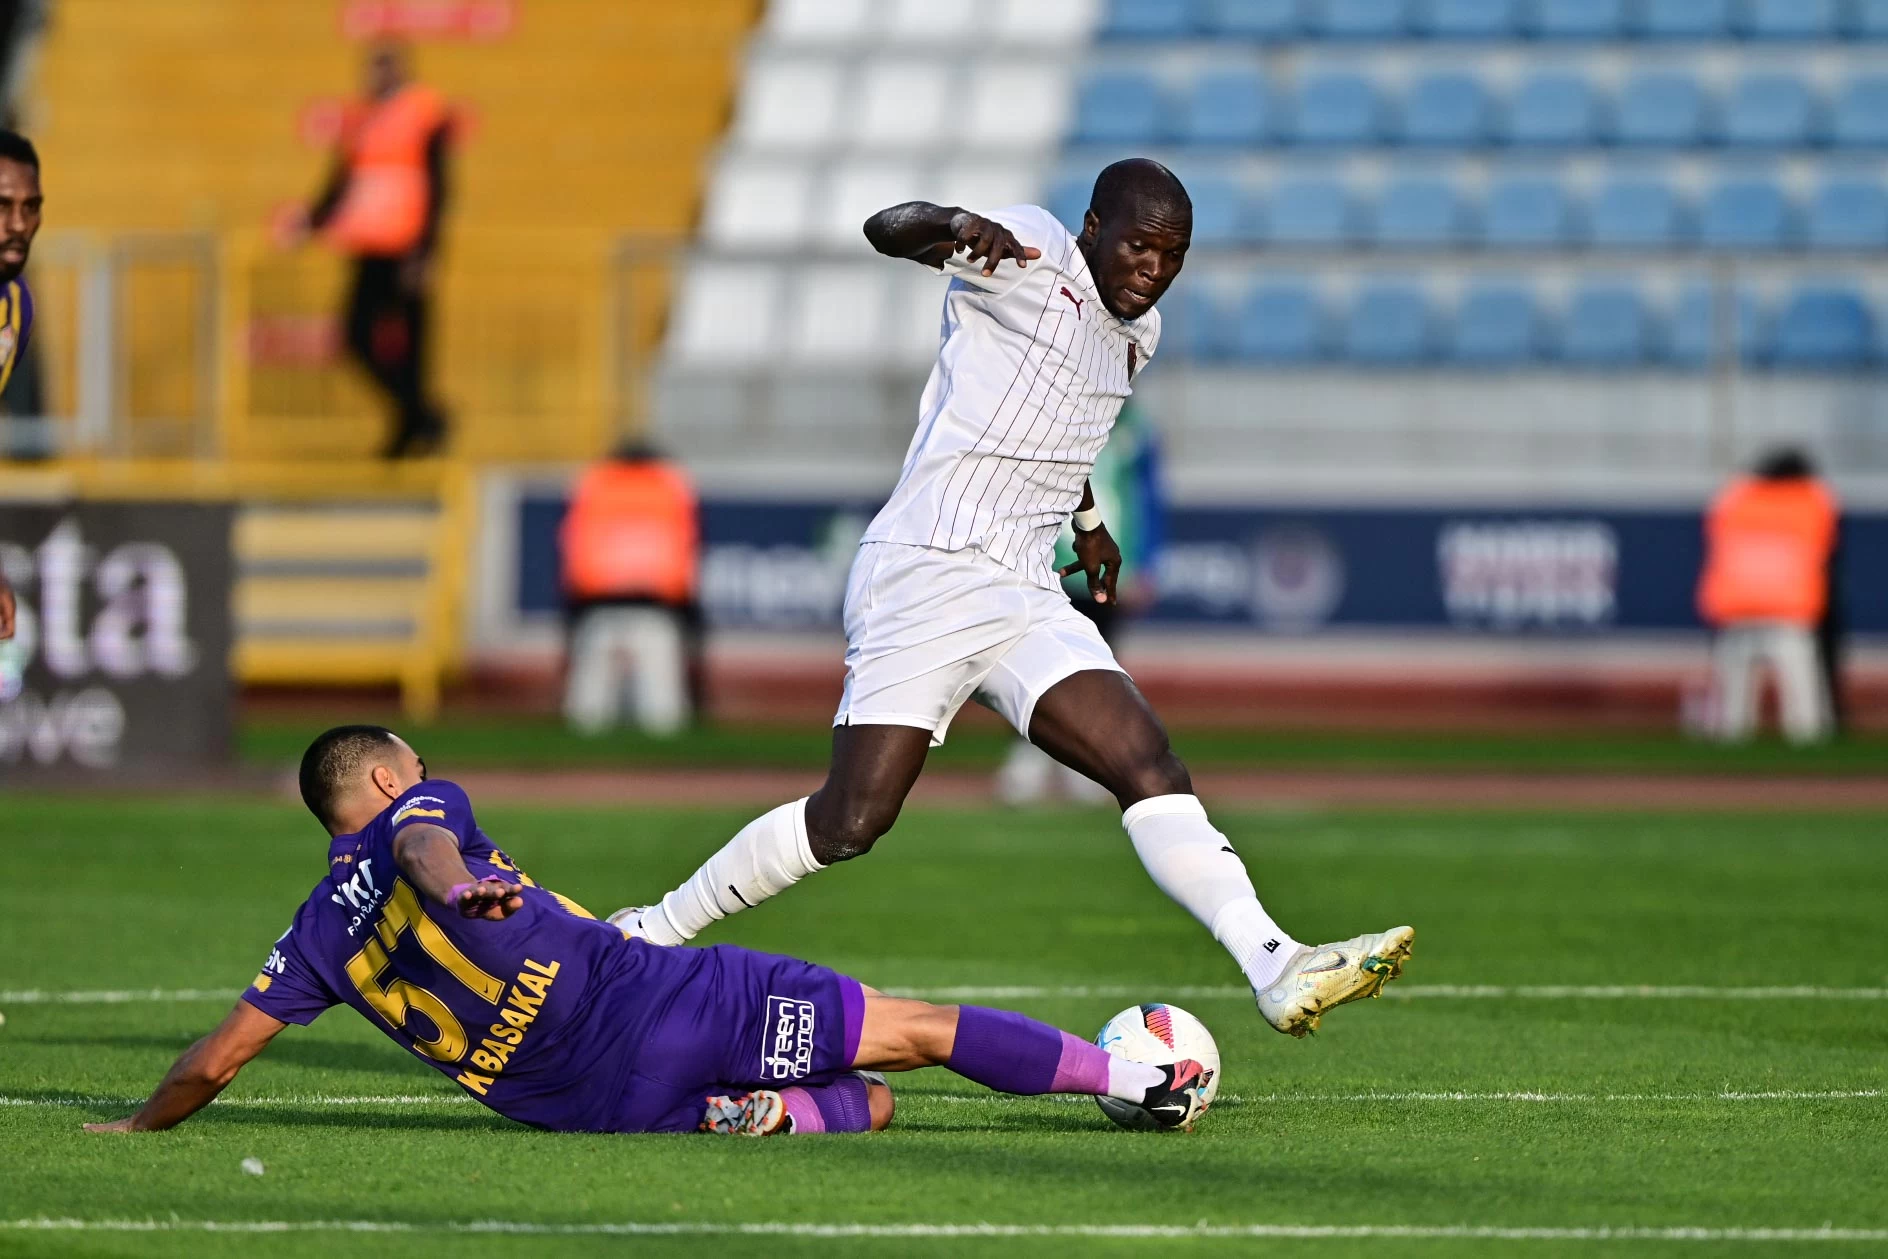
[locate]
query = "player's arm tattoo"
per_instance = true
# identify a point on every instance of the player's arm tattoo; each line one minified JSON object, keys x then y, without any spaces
{"x":204,"y":1070}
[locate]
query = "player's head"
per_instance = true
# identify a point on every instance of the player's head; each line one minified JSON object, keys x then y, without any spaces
{"x":19,"y":202}
{"x":386,"y":70}
{"x":1785,"y":463}
{"x":1135,"y":234}
{"x":350,"y":773}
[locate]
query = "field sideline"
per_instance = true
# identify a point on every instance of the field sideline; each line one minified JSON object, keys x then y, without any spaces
{"x":1621,"y":1033}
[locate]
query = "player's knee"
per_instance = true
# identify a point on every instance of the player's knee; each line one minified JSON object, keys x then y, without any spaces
{"x":878,"y":1099}
{"x":1156,"y":772}
{"x":848,"y":830}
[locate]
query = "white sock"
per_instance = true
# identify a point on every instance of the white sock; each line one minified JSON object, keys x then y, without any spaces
{"x":1129,"y":1080}
{"x":1196,"y":865}
{"x":769,"y":856}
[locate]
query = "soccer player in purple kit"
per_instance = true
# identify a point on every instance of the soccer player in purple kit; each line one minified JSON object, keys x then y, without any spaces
{"x":559,"y":1021}
{"x":20,"y":202}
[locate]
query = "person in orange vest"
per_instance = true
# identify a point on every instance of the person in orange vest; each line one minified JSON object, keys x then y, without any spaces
{"x":1770,"y":538}
{"x":382,"y":207}
{"x":630,"y":549}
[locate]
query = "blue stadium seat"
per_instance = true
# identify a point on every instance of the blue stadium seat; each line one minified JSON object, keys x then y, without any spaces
{"x":1336,"y":107}
{"x":1660,"y":107}
{"x":1693,"y":337}
{"x":1196,"y":325}
{"x":1526,"y":212}
{"x":1746,"y":212}
{"x":1445,"y":108}
{"x":1868,"y":19}
{"x":1495,"y":326}
{"x":1148,"y":19}
{"x":1823,"y":327}
{"x":1225,"y":107}
{"x":1788,"y":19}
{"x":1636,"y":212}
{"x":1362,"y":19}
{"x":1222,"y":212}
{"x":1419,"y":210}
{"x":1605,"y":326}
{"x":1579,"y":19}
{"x":1309,"y":210}
{"x":1389,"y":326}
{"x":1280,"y":323}
{"x":1068,"y":201}
{"x":1861,"y":113}
{"x":1685,"y":19}
{"x":1551,"y":108}
{"x":1253,"y":19}
{"x":1468,"y":19}
{"x":1848,"y":212}
{"x":1771,"y":111}
{"x":1118,"y":107}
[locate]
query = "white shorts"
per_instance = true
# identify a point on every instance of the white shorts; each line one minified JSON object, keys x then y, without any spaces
{"x":928,"y":629}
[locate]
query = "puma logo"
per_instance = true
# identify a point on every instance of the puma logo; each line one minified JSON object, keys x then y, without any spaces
{"x":1077,"y":300}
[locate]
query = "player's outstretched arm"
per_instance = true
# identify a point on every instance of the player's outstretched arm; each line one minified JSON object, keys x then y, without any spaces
{"x":204,"y":1070}
{"x":932,"y":233}
{"x":429,"y":856}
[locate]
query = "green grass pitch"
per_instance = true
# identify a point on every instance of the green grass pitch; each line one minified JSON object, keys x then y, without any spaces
{"x":1428,"y":1111}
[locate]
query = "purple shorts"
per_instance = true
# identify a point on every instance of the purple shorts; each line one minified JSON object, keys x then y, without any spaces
{"x":729,"y":1020}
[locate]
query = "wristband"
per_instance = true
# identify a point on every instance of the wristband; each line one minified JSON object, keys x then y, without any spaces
{"x":1086,"y":521}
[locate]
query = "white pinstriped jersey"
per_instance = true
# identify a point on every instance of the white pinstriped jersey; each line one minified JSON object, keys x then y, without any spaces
{"x":1031,"y":374}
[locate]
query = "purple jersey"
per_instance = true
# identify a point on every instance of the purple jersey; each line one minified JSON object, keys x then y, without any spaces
{"x":16,"y":325}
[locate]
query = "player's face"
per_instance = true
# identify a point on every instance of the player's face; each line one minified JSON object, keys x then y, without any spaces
{"x":1136,"y":257}
{"x":19,"y":216}
{"x":386,"y":73}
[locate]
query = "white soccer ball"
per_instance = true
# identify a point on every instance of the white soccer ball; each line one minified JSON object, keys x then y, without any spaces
{"x":1161,"y":1035}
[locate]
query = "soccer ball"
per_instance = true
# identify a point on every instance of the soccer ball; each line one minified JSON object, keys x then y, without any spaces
{"x":1158,"y":1034}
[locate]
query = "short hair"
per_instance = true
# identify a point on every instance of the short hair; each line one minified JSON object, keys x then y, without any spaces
{"x":331,"y":762}
{"x":1125,"y":186}
{"x":15,"y":147}
{"x":1785,"y":463}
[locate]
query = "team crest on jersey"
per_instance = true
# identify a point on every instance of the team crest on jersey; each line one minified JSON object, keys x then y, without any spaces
{"x":787,"y":1047}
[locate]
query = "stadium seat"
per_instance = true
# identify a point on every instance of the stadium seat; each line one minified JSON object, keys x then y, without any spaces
{"x":1787,"y":19}
{"x":818,"y":21}
{"x":1362,"y":19}
{"x":1254,"y":19}
{"x":1280,"y":322}
{"x":987,"y":183}
{"x":1745,"y":212}
{"x":1635,"y":211}
{"x":1868,"y":19}
{"x":1225,"y":107}
{"x":856,"y":190}
{"x":1660,"y":107}
{"x":836,"y":314}
{"x":1046,"y":24}
{"x":1222,"y":212}
{"x":1685,"y":19}
{"x":931,"y":22}
{"x":1554,"y":107}
{"x":1495,"y":326}
{"x":1605,"y":326}
{"x":1309,"y":210}
{"x":758,"y":204}
{"x":1770,"y":111}
{"x":900,"y":102}
{"x":1467,"y":19}
{"x":1578,"y":19}
{"x":1526,"y":212}
{"x":1148,"y":19}
{"x":727,"y":314}
{"x":1447,"y":108}
{"x":790,"y":103}
{"x":1068,"y":200}
{"x":1196,"y":326}
{"x":1693,"y":339}
{"x":1823,"y":327}
{"x":1389,"y":325}
{"x":1861,"y":113}
{"x":1848,"y":212}
{"x":1019,"y":99}
{"x":1118,"y":107}
{"x":1335,"y":107}
{"x":1418,"y":210}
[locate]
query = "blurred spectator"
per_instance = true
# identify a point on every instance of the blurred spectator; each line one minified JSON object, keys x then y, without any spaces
{"x":631,"y":544}
{"x":1770,"y":539}
{"x":382,"y":206}
{"x":1127,"y":488}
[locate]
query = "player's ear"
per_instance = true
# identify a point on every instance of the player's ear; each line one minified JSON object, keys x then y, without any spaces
{"x":386,"y":782}
{"x":1091,"y":227}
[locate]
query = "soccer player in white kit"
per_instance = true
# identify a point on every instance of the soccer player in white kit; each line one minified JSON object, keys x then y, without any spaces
{"x":954,"y":595}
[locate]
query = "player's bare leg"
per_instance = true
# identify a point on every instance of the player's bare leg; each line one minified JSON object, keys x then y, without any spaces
{"x":1098,"y":723}
{"x":873,"y":770}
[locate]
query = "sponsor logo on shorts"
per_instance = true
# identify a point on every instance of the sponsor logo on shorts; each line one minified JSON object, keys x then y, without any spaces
{"x":787,"y":1044}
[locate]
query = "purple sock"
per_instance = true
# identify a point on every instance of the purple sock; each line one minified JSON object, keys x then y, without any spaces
{"x":842,"y":1106}
{"x":1013,"y":1053}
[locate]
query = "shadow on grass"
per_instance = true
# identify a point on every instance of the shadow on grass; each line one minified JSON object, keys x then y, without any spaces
{"x":295,"y":1051}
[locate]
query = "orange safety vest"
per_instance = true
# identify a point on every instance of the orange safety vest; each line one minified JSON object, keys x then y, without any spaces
{"x":1767,"y":546}
{"x":383,"y":210}
{"x":632,"y":532}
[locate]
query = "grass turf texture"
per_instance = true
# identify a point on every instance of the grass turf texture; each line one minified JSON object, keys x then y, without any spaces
{"x":189,"y":893}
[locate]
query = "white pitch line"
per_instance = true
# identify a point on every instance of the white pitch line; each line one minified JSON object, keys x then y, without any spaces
{"x":1176,"y":1232}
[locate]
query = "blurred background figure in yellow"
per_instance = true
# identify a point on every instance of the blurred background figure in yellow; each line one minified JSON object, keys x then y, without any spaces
{"x":630,"y":546}
{"x":382,"y":206}
{"x":1770,"y":539}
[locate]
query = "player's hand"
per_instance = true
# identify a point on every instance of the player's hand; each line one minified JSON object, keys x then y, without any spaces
{"x":6,"y":610}
{"x":494,"y":900}
{"x":116,"y":1125}
{"x":978,"y":237}
{"x":1096,"y":555}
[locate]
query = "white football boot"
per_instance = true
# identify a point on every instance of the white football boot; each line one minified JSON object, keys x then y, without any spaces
{"x":1320,"y":979}
{"x":628,"y":920}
